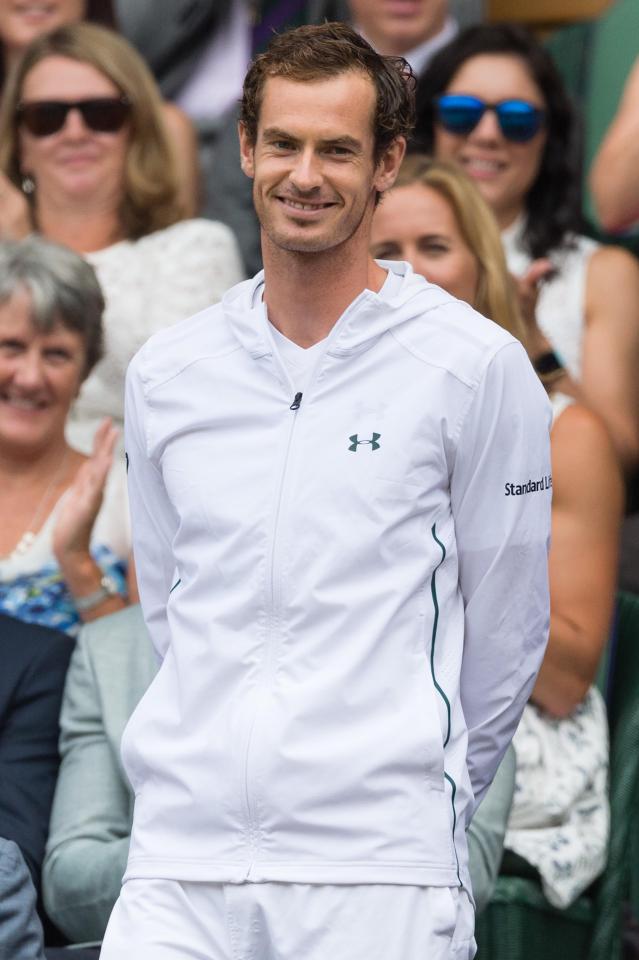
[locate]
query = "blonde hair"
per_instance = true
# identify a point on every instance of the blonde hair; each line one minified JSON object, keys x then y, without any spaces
{"x":150,"y":189}
{"x":496,"y":296}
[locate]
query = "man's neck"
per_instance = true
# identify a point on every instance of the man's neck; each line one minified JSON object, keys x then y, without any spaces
{"x":306,"y":293}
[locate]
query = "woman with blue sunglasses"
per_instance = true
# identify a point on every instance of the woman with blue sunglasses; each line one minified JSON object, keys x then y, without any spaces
{"x":493,"y":102}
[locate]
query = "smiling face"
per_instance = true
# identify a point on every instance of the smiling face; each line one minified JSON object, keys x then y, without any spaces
{"x":395,"y":27}
{"x":75,"y":163}
{"x":40,"y":375}
{"x":314,"y":175}
{"x":21,"y":21}
{"x":415,"y":223}
{"x":503,"y":171}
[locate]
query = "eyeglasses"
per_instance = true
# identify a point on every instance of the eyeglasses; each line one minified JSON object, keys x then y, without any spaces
{"x":100,"y":114}
{"x":519,"y":120}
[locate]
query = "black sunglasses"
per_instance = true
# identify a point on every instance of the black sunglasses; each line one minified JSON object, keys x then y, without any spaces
{"x":519,"y":120}
{"x":101,"y":114}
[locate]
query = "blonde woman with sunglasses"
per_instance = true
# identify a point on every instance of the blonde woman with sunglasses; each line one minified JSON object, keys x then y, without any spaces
{"x":82,"y":139}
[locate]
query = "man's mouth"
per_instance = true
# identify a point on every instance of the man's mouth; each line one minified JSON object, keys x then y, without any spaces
{"x":305,"y":205}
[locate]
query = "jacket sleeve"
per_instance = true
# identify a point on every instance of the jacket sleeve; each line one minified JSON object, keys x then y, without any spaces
{"x":500,"y":495}
{"x":153,"y":518}
{"x":91,"y":816}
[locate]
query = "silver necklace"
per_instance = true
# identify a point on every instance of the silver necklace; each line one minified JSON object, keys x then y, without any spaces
{"x":27,"y":539}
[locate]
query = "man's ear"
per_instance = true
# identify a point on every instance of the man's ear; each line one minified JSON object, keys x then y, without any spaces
{"x":247,"y":148}
{"x":388,"y":165}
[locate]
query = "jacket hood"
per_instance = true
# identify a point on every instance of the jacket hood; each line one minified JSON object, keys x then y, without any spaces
{"x":368,"y":317}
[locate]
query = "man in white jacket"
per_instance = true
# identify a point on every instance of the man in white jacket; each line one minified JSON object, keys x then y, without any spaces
{"x":340,"y":490}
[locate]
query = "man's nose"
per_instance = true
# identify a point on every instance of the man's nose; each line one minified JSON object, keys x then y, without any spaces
{"x":306,"y":174}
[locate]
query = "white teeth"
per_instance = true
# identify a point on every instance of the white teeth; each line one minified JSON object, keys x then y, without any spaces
{"x":22,"y":403}
{"x":303,"y":206}
{"x":488,"y":165}
{"x":34,"y":9}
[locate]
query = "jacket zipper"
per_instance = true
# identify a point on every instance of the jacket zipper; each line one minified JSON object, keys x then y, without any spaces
{"x":253,"y":823}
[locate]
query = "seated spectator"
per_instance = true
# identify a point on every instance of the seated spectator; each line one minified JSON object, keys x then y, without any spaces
{"x":493,"y":102}
{"x":34,"y":665}
{"x":614,"y":178}
{"x":20,"y":24}
{"x":435,"y":219}
{"x":414,"y":33}
{"x":64,"y":539}
{"x":20,"y":928}
{"x":111,"y":668}
{"x":97,"y":176}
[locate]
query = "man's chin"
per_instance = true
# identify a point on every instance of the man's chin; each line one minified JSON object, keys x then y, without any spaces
{"x":298,"y":242}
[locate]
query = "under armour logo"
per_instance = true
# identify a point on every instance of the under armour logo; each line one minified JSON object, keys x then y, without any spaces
{"x":355,"y":442}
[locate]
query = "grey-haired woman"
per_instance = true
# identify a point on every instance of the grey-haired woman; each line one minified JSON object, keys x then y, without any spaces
{"x":64,"y":539}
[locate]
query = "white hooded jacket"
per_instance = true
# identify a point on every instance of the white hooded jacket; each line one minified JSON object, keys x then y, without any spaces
{"x":349,"y":593}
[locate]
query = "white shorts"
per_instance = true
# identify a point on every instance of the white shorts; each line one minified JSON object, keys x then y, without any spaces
{"x":176,"y":920}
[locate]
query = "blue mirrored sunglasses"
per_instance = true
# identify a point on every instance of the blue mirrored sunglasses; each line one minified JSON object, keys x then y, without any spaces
{"x":518,"y":120}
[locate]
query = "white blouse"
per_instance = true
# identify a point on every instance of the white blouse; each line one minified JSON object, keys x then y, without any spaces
{"x":148,"y":284}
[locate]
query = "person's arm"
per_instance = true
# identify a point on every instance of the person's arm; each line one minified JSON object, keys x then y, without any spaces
{"x":29,"y":735}
{"x":75,"y":522}
{"x":586,"y":518}
{"x":538,"y":346}
{"x":614,"y":176}
{"x":610,"y":355}
{"x":183,"y":142}
{"x":487,"y":831}
{"x":91,"y":815}
{"x":153,"y":518}
{"x":502,"y":542}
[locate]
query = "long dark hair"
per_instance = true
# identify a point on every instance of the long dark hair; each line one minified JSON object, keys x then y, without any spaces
{"x":98,"y":11}
{"x":553,"y":203}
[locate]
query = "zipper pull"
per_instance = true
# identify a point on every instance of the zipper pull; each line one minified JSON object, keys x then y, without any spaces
{"x":296,"y":402}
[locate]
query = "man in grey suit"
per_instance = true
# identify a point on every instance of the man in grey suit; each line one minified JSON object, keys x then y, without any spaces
{"x":111,"y":668}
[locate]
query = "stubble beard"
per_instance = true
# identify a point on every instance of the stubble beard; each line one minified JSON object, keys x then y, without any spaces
{"x":341,"y":233}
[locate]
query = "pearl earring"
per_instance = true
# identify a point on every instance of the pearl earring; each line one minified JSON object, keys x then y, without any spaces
{"x":28,"y":184}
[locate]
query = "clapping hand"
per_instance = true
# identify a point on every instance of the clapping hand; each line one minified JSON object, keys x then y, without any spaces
{"x":72,"y":534}
{"x":528,"y":287}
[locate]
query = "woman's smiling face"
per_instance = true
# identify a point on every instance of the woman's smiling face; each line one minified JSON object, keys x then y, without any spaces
{"x":415,"y":223}
{"x":21,"y":21}
{"x":504,"y":171}
{"x":40,"y":375}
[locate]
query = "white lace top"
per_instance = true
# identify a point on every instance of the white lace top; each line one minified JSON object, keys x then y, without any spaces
{"x":561,"y":304}
{"x":148,"y":284}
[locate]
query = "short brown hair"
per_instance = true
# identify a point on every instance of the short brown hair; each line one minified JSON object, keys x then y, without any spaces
{"x":150,"y":190}
{"x":319,"y":52}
